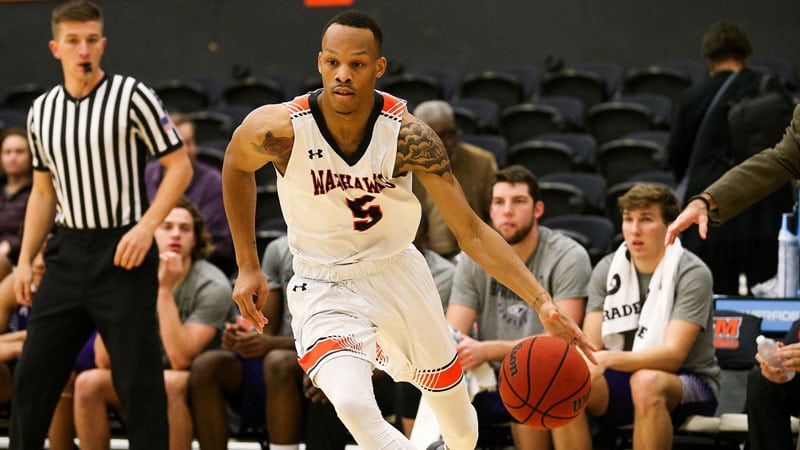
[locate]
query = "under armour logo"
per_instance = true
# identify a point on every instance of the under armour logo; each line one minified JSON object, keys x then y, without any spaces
{"x":315,"y":153}
{"x":299,"y":287}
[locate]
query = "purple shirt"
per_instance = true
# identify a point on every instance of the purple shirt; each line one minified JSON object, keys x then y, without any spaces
{"x":205,"y":191}
{"x":12,"y":214}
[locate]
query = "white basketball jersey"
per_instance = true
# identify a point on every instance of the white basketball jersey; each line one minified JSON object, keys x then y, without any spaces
{"x":341,"y":210}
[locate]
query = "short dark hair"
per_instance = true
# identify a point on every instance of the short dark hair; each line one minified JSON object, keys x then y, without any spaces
{"x":75,"y":11}
{"x":726,"y":40}
{"x":518,"y":174}
{"x":202,"y":238}
{"x":357,"y":19}
{"x":646,"y":194}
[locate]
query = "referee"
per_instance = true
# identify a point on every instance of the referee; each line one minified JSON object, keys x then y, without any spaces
{"x":90,"y":139}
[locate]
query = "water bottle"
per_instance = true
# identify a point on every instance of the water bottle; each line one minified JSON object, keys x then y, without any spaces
{"x":767,"y":348}
{"x":787,"y":260}
{"x":743,"y":289}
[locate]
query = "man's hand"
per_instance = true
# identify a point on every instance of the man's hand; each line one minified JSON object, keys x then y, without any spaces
{"x":133,"y":247}
{"x":23,"y":283}
{"x":564,"y":327}
{"x":313,"y":393}
{"x":695,"y":212}
{"x":170,"y":268}
{"x":774,"y":374}
{"x":470,"y":352}
{"x":253,"y":345}
{"x":789,"y":355}
{"x":230,"y":335}
{"x":251,"y":284}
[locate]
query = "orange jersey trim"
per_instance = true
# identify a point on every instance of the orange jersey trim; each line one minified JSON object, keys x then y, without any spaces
{"x":440,"y":379}
{"x":298,"y":105}
{"x":326,"y":347}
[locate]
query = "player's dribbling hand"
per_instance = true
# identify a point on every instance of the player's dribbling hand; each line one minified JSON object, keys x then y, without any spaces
{"x":250,"y":285}
{"x":562,"y":326}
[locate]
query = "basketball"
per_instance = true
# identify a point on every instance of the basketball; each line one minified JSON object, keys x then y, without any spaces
{"x":544,"y":382}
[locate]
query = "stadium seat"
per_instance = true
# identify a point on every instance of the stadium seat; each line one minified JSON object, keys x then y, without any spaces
{"x":254,"y":92}
{"x":659,"y":80}
{"x":413,"y":88}
{"x":541,"y":157}
{"x":182,"y":95}
{"x":525,"y":121}
{"x":502,"y":88}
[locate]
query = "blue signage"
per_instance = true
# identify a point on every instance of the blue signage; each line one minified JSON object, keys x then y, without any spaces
{"x":777,"y":314}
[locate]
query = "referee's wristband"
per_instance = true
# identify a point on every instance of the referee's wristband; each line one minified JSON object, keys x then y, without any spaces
{"x":702,"y":199}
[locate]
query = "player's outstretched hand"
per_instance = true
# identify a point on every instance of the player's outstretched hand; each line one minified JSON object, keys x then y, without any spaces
{"x":564,"y":327}
{"x":250,"y":294}
{"x":695,"y":212}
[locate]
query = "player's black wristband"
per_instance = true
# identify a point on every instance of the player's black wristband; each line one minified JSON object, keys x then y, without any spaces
{"x":702,"y":199}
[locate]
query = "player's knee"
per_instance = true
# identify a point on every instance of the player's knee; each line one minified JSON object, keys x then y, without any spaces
{"x":355,"y":409}
{"x":205,"y":369}
{"x":281,"y":367}
{"x":176,"y":384}
{"x":90,"y":385}
{"x":647,"y":389}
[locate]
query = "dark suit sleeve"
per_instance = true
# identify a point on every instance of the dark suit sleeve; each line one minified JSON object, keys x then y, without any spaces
{"x":758,"y":176}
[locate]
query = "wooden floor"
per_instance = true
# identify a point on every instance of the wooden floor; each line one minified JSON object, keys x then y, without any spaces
{"x":122,"y":444}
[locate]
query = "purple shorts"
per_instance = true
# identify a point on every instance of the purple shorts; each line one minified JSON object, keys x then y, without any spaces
{"x":698,"y":398}
{"x":250,"y":401}
{"x":85,"y":359}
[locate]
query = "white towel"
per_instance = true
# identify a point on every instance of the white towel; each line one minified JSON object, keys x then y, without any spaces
{"x":622,"y":311}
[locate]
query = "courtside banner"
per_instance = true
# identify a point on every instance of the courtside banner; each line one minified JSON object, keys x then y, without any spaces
{"x":777,"y":314}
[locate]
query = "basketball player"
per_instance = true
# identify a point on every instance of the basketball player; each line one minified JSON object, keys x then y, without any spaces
{"x":362,"y":296}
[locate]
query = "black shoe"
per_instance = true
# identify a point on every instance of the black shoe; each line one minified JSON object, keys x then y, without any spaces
{"x":438,"y":445}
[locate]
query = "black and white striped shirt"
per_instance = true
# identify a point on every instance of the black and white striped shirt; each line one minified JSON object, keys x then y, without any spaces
{"x":96,"y":149}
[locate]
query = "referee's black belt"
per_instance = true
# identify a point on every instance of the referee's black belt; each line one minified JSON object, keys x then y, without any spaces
{"x":82,"y":233}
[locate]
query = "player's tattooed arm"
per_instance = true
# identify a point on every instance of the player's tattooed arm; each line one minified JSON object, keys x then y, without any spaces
{"x":273,"y":146}
{"x":419,"y":148}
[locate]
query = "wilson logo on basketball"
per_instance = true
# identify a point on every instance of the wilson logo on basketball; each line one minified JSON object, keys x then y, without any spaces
{"x":726,"y":332}
{"x":512,"y":363}
{"x":580,"y":402}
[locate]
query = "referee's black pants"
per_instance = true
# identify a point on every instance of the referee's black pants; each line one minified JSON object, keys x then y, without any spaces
{"x":769,"y":408}
{"x":83,"y":290}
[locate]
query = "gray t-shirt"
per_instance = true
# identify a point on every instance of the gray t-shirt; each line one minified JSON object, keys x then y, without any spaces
{"x":442,"y":270}
{"x":277,"y":266}
{"x":560,"y":264}
{"x":205,"y":297}
{"x":694,"y":302}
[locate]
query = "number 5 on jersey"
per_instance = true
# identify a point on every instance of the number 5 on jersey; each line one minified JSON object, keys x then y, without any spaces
{"x":365,"y":215}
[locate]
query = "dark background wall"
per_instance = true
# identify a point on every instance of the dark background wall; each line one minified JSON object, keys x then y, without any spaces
{"x":160,"y":39}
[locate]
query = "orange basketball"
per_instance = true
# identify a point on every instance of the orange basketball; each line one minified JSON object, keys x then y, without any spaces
{"x":544,"y":382}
